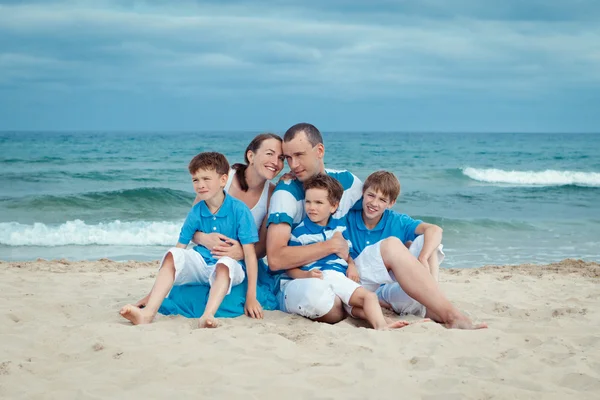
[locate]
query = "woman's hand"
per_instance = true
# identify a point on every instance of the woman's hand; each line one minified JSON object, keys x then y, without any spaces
{"x":227,"y":248}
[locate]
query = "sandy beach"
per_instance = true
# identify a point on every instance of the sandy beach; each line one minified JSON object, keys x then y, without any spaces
{"x":62,"y":338}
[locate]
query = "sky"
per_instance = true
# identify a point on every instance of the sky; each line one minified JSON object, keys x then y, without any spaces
{"x":343,"y":65}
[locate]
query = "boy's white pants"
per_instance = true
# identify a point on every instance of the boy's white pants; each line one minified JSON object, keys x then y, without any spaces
{"x":190,"y":267}
{"x":375,"y":277}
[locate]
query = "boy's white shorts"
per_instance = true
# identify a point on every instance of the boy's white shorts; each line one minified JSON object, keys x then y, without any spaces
{"x":375,"y":277}
{"x":190,"y":267}
{"x":312,"y":298}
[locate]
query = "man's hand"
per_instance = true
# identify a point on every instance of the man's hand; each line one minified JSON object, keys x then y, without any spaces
{"x":315,"y":273}
{"x":288,"y":176}
{"x":340,"y":245}
{"x":252,"y":308}
{"x":352,"y":273}
{"x":228,"y":248}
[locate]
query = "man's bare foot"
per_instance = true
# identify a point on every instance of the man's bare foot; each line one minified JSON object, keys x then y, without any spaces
{"x":393,"y":325}
{"x":208,"y":321}
{"x":463,"y":322}
{"x":135,"y":315}
{"x":385,"y":304}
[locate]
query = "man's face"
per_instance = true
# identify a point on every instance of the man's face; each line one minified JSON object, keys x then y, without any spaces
{"x":374,"y":204}
{"x":208,"y":183}
{"x":304,"y":159}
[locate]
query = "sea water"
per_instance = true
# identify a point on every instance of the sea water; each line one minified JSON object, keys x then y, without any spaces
{"x":501,"y":198}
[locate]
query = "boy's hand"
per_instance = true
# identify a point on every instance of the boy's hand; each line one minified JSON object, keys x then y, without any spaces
{"x":423,"y":260}
{"x":143,"y":302}
{"x":228,"y":248}
{"x":253,"y":309}
{"x":340,"y":245}
{"x":315,"y":273}
{"x":352,"y":273}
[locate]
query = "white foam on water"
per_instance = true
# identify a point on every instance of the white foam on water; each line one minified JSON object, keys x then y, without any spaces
{"x":538,"y":178}
{"x":77,"y":232}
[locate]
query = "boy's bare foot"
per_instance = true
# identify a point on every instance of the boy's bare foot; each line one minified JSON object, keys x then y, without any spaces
{"x":135,"y":315}
{"x":208,"y":321}
{"x":463,"y":322}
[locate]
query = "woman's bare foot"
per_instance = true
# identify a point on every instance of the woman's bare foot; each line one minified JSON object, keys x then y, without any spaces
{"x":135,"y":315}
{"x":208,"y":321}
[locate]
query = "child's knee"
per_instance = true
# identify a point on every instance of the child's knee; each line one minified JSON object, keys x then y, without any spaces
{"x":221,"y":271}
{"x":168,"y":261}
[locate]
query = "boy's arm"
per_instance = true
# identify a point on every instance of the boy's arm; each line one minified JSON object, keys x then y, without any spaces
{"x":252,"y":307}
{"x":352,"y":271}
{"x":284,"y":257}
{"x":297,"y":273}
{"x":432,"y":238}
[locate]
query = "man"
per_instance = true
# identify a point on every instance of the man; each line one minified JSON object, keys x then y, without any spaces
{"x":304,"y":151}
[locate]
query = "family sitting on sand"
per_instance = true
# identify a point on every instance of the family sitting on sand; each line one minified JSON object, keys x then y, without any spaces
{"x":333,"y":245}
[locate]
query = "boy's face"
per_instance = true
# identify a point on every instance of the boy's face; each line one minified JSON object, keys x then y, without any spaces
{"x":304,"y":159}
{"x":375,"y":203}
{"x":208,"y":183}
{"x":317,"y":206}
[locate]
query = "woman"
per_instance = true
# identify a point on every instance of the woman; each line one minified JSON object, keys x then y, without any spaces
{"x":250,"y":183}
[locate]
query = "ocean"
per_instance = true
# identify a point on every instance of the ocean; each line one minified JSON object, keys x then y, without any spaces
{"x":502,"y":198}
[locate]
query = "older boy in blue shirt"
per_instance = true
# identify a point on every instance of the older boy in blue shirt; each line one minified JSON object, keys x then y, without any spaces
{"x":217,"y":212}
{"x":375,"y":223}
{"x":322,"y":197}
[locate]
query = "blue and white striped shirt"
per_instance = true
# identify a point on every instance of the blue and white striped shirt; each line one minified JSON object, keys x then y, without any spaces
{"x":307,"y":232}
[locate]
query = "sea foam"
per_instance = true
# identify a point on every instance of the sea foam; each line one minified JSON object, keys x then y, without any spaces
{"x":538,"y":178}
{"x":77,"y":232}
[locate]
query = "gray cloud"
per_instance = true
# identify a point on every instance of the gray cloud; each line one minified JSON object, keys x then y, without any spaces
{"x":319,"y":48}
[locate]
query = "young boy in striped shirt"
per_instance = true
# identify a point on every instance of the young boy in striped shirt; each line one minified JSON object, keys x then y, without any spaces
{"x":323,"y":194}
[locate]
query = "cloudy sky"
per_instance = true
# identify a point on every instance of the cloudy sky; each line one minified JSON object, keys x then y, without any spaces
{"x":426,"y":65}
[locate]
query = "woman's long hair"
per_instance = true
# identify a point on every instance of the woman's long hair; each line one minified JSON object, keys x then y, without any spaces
{"x":240,"y":169}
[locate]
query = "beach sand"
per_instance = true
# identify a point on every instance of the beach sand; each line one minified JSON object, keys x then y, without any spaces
{"x":62,"y":337}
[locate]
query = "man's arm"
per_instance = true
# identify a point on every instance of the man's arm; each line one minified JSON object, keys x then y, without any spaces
{"x":432,"y":238}
{"x":284,"y":257}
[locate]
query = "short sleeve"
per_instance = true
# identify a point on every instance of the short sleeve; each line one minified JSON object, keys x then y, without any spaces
{"x":190,"y":226}
{"x":405,"y":226}
{"x":247,"y":231}
{"x":284,"y":207}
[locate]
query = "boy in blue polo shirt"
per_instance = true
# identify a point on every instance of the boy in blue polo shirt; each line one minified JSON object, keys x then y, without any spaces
{"x":322,"y":197}
{"x":217,"y":212}
{"x":375,"y":223}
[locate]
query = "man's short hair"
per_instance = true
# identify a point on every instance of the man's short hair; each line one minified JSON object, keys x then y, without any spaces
{"x":324,"y":181}
{"x":210,"y":161}
{"x":384,"y":182}
{"x":312,"y":133}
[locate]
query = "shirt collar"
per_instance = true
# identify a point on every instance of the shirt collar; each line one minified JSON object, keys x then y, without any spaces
{"x":360,"y":223}
{"x":225,"y":209}
{"x":314,"y":228}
